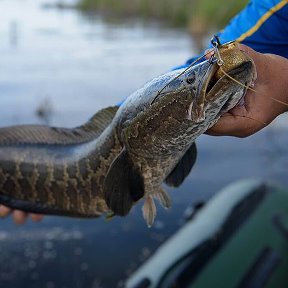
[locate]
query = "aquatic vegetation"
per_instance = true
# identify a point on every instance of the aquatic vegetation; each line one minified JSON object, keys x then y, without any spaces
{"x":180,"y":13}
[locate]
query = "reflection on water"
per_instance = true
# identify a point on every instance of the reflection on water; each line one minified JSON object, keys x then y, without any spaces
{"x":78,"y":61}
{"x":79,"y":64}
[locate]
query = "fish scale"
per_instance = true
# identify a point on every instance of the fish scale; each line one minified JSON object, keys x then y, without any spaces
{"x":50,"y":180}
{"x":121,"y":155}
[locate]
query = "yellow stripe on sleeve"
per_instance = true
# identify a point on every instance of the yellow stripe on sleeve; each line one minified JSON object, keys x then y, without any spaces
{"x":264,"y":18}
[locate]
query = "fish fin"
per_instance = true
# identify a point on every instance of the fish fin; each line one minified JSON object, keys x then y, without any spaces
{"x":183,"y":168}
{"x":149,"y":211}
{"x":41,"y":134}
{"x":123,"y":185}
{"x":163,"y":197}
{"x":109,"y":216}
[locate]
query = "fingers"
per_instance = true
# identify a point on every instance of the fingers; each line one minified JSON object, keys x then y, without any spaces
{"x":241,"y":121}
{"x":249,"y":51}
{"x":231,"y":125}
{"x":256,"y":57}
{"x":36,"y":217}
{"x":209,"y":53}
{"x":4,"y":211}
{"x":246,"y":49}
{"x":260,"y":106}
{"x":19,"y":217}
{"x":238,"y":122}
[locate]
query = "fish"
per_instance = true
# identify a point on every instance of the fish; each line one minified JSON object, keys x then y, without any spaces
{"x":122,"y":155}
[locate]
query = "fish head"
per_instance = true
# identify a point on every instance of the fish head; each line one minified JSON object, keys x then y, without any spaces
{"x":205,"y":93}
{"x":182,"y":105}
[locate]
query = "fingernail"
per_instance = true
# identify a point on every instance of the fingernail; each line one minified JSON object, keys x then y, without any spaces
{"x":4,"y":211}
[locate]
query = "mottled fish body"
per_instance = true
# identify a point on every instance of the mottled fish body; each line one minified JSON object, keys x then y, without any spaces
{"x":120,"y":155}
{"x":56,"y":170}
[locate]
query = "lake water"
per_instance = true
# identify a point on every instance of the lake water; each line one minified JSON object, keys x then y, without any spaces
{"x":70,"y":65}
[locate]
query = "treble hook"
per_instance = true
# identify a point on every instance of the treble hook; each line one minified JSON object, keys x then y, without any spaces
{"x":215,"y":41}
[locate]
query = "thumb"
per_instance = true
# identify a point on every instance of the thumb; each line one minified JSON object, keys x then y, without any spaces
{"x":231,"y":125}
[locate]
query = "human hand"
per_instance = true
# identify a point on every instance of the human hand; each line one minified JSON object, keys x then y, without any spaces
{"x":19,"y":217}
{"x":260,"y":107}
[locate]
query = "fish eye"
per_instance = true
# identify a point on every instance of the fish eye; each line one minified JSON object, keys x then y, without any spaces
{"x":191,"y":78}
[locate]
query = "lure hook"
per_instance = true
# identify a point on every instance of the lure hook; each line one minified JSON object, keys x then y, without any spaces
{"x":215,"y":41}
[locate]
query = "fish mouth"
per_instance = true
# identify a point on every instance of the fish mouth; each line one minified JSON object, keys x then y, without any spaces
{"x":218,"y":87}
{"x":196,"y":109}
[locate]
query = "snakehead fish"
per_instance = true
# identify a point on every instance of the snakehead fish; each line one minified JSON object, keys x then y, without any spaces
{"x":121,"y":155}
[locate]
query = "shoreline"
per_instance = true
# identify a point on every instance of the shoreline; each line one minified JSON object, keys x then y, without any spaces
{"x":192,"y":14}
{"x":183,"y":13}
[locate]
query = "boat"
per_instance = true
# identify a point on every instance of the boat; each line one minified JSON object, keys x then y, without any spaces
{"x":239,"y":238}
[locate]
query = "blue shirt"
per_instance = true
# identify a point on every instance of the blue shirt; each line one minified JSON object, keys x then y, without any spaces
{"x":262,"y":25}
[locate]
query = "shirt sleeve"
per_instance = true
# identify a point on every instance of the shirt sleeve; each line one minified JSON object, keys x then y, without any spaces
{"x":262,"y":25}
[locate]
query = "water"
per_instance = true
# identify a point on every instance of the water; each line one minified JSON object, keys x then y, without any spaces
{"x":61,"y":67}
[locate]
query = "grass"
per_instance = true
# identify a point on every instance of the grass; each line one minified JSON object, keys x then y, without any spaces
{"x":202,"y":13}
